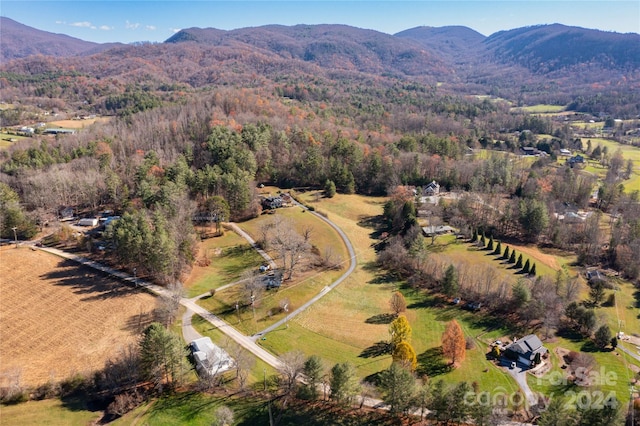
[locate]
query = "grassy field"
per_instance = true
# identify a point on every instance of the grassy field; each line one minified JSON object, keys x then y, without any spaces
{"x":229,"y":256}
{"x":351,"y":322}
{"x":541,"y":109}
{"x":628,"y":153}
{"x":306,"y":283}
{"x":6,"y":140}
{"x":50,"y":412}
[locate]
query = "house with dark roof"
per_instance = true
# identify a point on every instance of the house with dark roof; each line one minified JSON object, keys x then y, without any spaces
{"x":432,"y":189}
{"x":526,"y":351}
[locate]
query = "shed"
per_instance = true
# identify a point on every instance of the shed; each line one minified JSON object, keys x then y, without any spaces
{"x":89,"y":221}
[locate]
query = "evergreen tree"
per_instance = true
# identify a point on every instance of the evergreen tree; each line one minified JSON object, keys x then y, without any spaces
{"x":450,"y":283}
{"x":490,"y":245}
{"x":527,"y":267}
{"x":329,"y":189}
{"x":474,"y":237}
{"x":512,"y":258}
{"x":343,"y":383}
{"x":498,"y":249}
{"x":506,"y":253}
{"x":532,"y":272}
{"x":519,"y":262}
{"x":483,"y":240}
{"x":398,"y":388}
{"x":602,"y":336}
{"x":162,"y":357}
{"x":313,"y":370}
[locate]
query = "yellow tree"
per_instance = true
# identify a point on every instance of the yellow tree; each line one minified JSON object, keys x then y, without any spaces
{"x":405,"y":355}
{"x":453,"y":342}
{"x":400,"y":330}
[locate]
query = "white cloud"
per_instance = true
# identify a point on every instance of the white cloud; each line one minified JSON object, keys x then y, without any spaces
{"x":150,"y":27}
{"x":83,"y":24}
{"x":105,"y":28}
{"x":61,"y":23}
{"x":175,"y":30}
{"x":131,"y":26}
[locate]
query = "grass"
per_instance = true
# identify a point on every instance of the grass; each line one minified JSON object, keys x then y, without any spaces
{"x":611,"y":373}
{"x":303,"y":286}
{"x":349,"y":324}
{"x":260,"y":368}
{"x":197,"y":409}
{"x":542,"y":108}
{"x":50,"y":412}
{"x":230,"y":255}
{"x":629,"y":152}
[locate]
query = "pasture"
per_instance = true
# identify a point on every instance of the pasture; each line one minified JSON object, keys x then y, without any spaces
{"x":60,"y":319}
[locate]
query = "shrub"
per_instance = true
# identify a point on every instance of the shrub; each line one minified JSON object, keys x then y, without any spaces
{"x":123,"y":403}
{"x":470,"y":343}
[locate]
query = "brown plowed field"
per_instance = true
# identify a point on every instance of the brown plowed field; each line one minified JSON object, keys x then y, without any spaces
{"x":58,"y":318}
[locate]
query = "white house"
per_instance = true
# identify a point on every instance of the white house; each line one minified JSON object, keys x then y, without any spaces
{"x":209,"y":358}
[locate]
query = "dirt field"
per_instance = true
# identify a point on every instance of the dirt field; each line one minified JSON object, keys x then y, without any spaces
{"x":57,"y":318}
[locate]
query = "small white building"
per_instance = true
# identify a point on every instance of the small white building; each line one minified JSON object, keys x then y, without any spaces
{"x":89,"y":221}
{"x":209,"y":358}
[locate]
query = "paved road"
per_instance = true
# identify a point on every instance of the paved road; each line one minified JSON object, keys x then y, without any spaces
{"x":251,"y":241}
{"x":325,"y":290}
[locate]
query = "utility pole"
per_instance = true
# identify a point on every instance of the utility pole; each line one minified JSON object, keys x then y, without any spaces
{"x":15,"y":236}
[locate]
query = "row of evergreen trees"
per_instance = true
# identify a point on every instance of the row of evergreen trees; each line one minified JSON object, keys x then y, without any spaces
{"x":508,"y":255}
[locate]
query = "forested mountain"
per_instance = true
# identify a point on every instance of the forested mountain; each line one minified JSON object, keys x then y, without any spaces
{"x":547,"y":48}
{"x":329,"y":46}
{"x":454,"y":42}
{"x":19,"y":41}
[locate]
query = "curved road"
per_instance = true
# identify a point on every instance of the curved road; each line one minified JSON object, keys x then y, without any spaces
{"x":325,"y":290}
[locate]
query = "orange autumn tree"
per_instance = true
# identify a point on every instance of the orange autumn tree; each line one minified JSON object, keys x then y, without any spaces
{"x":453,"y":342}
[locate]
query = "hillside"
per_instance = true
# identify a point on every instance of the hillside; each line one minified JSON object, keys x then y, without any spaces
{"x":19,"y":41}
{"x":548,"y":48}
{"x":451,"y":41}
{"x":329,"y":46}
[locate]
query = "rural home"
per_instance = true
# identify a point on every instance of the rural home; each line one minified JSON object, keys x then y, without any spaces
{"x":430,"y":231}
{"x":431,"y":189}
{"x":271,"y":202}
{"x":578,"y":159}
{"x":273,"y":279}
{"x":209,"y":358}
{"x":527,"y":351}
{"x":565,"y":152}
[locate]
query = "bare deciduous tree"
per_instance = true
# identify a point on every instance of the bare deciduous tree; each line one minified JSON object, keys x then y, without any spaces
{"x":291,"y":367}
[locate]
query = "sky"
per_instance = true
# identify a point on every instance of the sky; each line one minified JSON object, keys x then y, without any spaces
{"x":156,"y":20}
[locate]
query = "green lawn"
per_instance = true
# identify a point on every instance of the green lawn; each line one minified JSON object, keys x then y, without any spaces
{"x":197,"y":409}
{"x":50,"y":412}
{"x":230,"y":255}
{"x":611,"y":374}
{"x":629,"y":152}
